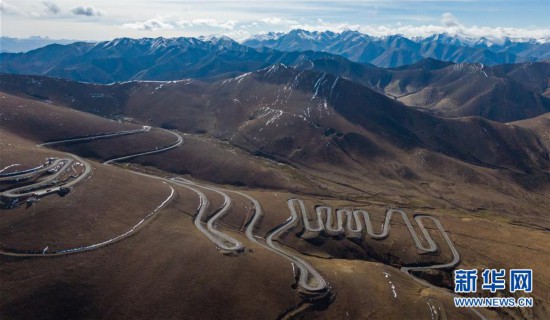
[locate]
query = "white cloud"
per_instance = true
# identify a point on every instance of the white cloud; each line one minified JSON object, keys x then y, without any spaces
{"x":8,"y":8}
{"x":176,"y":23}
{"x":278,"y":21}
{"x":448,"y":20}
{"x":51,"y":8}
{"x":239,"y":30}
{"x":238,"y":35}
{"x":86,"y":11}
{"x":172,"y":18}
{"x":149,"y":25}
{"x":450,"y":25}
{"x":227,"y":25}
{"x":321,"y":25}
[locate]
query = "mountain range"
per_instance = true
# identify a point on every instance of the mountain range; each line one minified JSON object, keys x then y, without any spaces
{"x":127,"y":59}
{"x":397,"y":50}
{"x":502,"y":93}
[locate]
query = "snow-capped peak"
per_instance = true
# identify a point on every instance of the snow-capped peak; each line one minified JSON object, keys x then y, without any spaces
{"x":266,"y":36}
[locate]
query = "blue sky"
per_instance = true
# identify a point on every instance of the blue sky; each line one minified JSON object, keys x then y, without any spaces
{"x":107,"y":19}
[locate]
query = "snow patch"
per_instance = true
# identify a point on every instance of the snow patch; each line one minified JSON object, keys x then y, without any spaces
{"x":275,"y":115}
{"x":318,"y":85}
{"x":333,"y":85}
{"x":185,"y":81}
{"x":241,"y":77}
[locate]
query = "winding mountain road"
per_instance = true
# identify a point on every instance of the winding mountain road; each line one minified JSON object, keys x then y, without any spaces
{"x":30,"y":173}
{"x":326,"y":218}
{"x":309,"y":278}
{"x":307,"y":274}
{"x":355,"y":225}
{"x":352,"y":223}
{"x":176,"y":144}
{"x":19,"y":172}
{"x":98,"y":136}
{"x":51,"y":183}
{"x":179,"y":142}
{"x":222,"y":240}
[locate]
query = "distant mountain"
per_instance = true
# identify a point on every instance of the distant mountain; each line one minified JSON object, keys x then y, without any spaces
{"x":502,"y":93}
{"x":396,"y":50}
{"x":11,"y":44}
{"x":127,"y":59}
